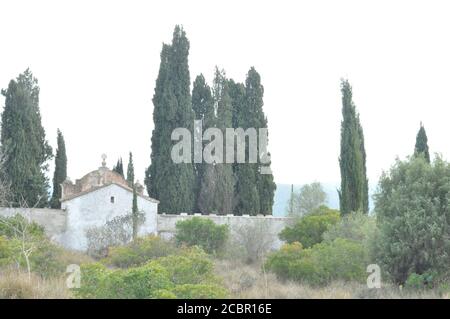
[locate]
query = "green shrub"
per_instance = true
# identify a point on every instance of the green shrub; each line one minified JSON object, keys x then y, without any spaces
{"x":340,"y":259}
{"x":202,"y":232}
{"x":134,"y":283}
{"x":413,"y":216}
{"x":200,"y":291}
{"x":190,"y":266}
{"x":138,"y":252}
{"x":309,"y":229}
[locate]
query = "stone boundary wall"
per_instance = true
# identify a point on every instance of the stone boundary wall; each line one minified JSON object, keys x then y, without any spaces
{"x":166,"y":223}
{"x":53,"y":220}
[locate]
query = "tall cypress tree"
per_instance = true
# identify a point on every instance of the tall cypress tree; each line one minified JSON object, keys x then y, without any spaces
{"x":130,"y":171}
{"x":422,"y":144}
{"x":255,"y":191}
{"x":173,"y":184}
{"x":118,"y":168}
{"x":353,"y":194}
{"x":217,"y":183}
{"x":203,"y":107}
{"x":60,"y":173}
{"x":24,"y":147}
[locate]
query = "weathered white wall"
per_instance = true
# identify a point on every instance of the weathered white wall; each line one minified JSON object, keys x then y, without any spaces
{"x":94,"y":209}
{"x":68,"y":226}
{"x":166,"y":224}
{"x":53,"y":220}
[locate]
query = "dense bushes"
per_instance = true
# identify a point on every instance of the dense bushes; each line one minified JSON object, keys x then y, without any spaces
{"x":138,"y":252}
{"x":308,"y":230}
{"x":202,"y":232}
{"x":413,"y":217}
{"x":340,"y":259}
{"x":185,"y":275}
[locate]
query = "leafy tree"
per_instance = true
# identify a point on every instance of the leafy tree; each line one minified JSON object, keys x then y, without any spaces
{"x":60,"y":173}
{"x":173,"y":184}
{"x":130,"y":171}
{"x":413,"y":216}
{"x":310,"y":197}
{"x":118,"y":168}
{"x":354,"y":192}
{"x":422,"y":144}
{"x":24,"y":148}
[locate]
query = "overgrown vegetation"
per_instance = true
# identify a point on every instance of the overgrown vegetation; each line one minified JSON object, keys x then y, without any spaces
{"x":185,"y":275}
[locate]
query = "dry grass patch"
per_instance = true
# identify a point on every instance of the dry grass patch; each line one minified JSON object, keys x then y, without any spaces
{"x":16,"y":284}
{"x":251,"y":281}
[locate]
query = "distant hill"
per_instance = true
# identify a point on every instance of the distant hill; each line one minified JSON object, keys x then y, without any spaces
{"x":283,"y":193}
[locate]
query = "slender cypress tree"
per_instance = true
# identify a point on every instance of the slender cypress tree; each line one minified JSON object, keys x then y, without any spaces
{"x":217,"y":184}
{"x":130,"y":171}
{"x":422,"y":144}
{"x":173,"y":184}
{"x":203,"y":106}
{"x":250,"y":114}
{"x":290,"y":209}
{"x":24,"y":148}
{"x":60,"y":173}
{"x":353,"y":194}
{"x":118,"y":168}
{"x":135,"y":214}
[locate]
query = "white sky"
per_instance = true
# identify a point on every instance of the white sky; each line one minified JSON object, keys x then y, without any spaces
{"x":97,"y":63}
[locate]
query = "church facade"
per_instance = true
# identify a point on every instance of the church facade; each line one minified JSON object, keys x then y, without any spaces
{"x":98,"y":197}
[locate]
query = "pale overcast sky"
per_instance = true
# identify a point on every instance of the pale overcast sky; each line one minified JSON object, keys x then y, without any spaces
{"x":97,"y":63}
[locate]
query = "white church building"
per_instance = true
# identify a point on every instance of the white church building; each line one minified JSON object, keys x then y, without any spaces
{"x":98,"y":197}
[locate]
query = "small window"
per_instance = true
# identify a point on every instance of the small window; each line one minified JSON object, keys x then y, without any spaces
{"x":112,"y":199}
